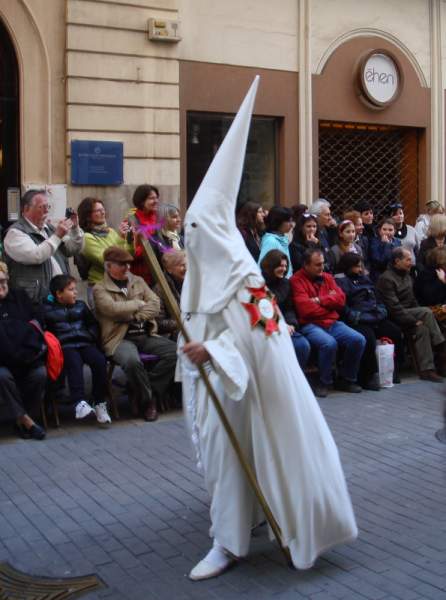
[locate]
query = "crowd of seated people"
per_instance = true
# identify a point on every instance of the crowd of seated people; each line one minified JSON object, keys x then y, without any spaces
{"x":124,"y":322}
{"x":356,"y":282}
{"x":341,"y":285}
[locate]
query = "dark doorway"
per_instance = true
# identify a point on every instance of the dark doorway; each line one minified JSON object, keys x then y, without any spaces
{"x":205,"y":133}
{"x":378,"y":163}
{"x":9,"y":122}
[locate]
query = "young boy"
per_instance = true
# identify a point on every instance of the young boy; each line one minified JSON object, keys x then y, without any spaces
{"x":71,"y":321}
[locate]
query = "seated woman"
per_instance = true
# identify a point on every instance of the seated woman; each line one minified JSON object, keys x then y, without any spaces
{"x":274,"y":267}
{"x":174,"y":265}
{"x":430,"y":285}
{"x":361,"y":239}
{"x":279,"y":223}
{"x":435,"y":239}
{"x":381,"y":246}
{"x":306,"y":236}
{"x":366,"y":314}
{"x":71,"y":321}
{"x":405,"y":233}
{"x":22,"y":359}
{"x":424,"y":220}
{"x":346,"y":243}
{"x":251,"y":224}
{"x":98,"y":237}
{"x":170,"y":222}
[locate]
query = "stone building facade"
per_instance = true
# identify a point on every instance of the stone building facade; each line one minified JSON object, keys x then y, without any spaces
{"x":87,"y":70}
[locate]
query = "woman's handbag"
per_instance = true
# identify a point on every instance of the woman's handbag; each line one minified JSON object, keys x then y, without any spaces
{"x":54,"y":355}
{"x":385,"y":350}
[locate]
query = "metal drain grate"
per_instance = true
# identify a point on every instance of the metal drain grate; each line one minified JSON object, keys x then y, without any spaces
{"x":15,"y":585}
{"x":377,"y":163}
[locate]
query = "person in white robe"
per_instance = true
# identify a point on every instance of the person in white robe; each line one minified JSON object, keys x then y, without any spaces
{"x":240,"y":336}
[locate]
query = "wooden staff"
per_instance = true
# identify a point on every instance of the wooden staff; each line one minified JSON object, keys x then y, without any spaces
{"x":174,"y":310}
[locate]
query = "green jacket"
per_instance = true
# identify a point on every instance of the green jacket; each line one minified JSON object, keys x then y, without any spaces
{"x":93,"y":251}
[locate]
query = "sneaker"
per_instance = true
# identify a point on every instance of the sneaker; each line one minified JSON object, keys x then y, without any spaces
{"x":343,"y":385}
{"x":102,"y":413}
{"x":83,"y":409}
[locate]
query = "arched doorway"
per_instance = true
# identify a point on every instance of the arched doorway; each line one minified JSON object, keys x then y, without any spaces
{"x":9,"y":125}
{"x":367,"y":151}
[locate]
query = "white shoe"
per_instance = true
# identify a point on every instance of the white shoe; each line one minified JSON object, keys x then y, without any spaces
{"x":216,"y":561}
{"x":83,"y":409}
{"x":102,"y":413}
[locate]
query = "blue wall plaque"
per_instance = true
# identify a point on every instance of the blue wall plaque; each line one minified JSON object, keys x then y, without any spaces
{"x":96,"y":163}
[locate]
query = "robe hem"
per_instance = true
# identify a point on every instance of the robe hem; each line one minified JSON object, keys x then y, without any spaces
{"x":309,"y":565}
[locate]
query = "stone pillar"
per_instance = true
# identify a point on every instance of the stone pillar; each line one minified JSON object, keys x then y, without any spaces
{"x":305,"y":107}
{"x":437,"y":105}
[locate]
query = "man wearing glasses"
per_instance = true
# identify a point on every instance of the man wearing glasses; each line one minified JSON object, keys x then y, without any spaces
{"x":35,"y":250}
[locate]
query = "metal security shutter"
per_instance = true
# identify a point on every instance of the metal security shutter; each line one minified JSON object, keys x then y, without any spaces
{"x":368,"y":162}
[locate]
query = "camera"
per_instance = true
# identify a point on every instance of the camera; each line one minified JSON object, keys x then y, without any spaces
{"x":69,"y":212}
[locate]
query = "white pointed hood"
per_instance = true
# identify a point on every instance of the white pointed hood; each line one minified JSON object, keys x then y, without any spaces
{"x":217,"y":258}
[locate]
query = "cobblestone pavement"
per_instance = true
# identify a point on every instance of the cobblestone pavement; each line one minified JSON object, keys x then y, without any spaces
{"x":127,"y":503}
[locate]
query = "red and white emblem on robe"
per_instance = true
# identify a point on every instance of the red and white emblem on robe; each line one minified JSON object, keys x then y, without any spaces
{"x":262,"y":309}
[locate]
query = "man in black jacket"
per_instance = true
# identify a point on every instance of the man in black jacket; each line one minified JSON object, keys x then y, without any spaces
{"x":396,"y":288}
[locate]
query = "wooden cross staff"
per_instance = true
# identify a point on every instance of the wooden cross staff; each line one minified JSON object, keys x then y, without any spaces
{"x":174,"y":310}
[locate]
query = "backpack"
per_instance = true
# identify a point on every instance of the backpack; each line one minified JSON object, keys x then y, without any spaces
{"x":54,"y":356}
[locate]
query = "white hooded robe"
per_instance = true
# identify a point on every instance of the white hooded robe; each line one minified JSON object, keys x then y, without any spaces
{"x":262,"y":389}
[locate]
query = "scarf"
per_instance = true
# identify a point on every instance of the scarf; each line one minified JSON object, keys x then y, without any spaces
{"x":100,"y":230}
{"x":173,"y":237}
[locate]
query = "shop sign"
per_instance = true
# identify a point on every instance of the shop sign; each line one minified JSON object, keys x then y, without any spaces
{"x":380,"y":79}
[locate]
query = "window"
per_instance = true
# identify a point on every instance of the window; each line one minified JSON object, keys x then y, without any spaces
{"x":206,"y":131}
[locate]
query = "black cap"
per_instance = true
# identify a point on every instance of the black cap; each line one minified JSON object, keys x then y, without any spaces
{"x":363,"y":206}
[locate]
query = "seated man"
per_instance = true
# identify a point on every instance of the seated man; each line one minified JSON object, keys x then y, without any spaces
{"x":35,"y":250}
{"x":318,"y":302}
{"x":126,"y":309}
{"x":396,"y":288}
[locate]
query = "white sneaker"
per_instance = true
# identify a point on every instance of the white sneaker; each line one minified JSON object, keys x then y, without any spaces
{"x":83,"y":409}
{"x":216,"y":561}
{"x":102,"y":413}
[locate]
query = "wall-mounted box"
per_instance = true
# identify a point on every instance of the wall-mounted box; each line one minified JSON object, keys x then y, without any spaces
{"x":164,"y":30}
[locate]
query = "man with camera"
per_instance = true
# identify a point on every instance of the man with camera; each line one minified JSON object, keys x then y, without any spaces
{"x":35,"y":250}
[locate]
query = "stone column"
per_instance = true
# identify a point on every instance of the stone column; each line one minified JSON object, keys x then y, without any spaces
{"x":305,"y":107}
{"x":437,"y":105}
